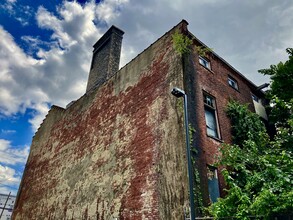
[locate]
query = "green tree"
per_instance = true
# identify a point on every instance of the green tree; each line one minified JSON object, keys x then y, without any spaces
{"x":259,"y":170}
{"x":281,"y":92}
{"x":281,"y":100}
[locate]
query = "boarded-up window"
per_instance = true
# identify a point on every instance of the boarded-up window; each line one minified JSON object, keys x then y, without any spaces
{"x":213,"y":183}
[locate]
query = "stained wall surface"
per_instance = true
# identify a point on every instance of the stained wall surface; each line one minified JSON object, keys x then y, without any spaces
{"x":117,"y":152}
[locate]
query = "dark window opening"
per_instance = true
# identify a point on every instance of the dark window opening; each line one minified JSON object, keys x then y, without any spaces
{"x":211,"y":116}
{"x":233,"y":83}
{"x":206,"y":63}
{"x":213,"y":183}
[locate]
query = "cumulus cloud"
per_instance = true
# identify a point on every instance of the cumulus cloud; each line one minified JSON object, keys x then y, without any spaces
{"x":110,"y":9}
{"x":16,"y":68}
{"x":8,"y":175}
{"x":10,"y":155}
{"x":9,"y":180}
{"x":242,"y":33}
{"x":38,"y":115}
{"x":250,"y":35}
{"x":56,"y":75}
{"x":57,"y":72}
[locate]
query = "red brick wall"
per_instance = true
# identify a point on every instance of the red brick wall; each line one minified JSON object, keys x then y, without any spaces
{"x":215,"y":83}
{"x":116,"y":152}
{"x":119,"y":151}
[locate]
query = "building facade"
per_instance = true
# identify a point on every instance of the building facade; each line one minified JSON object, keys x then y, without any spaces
{"x":118,"y":152}
{"x":6,"y":206}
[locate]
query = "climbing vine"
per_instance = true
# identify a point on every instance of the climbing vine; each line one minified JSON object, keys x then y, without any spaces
{"x":258,"y":170}
{"x":183,"y":45}
{"x":196,"y":178}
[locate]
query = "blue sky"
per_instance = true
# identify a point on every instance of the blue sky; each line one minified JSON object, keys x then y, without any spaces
{"x":46,"y":47}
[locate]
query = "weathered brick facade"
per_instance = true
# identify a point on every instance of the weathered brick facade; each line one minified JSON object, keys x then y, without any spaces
{"x":214,"y":81}
{"x":119,"y":150}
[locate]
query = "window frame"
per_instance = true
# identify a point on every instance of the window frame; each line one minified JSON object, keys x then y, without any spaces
{"x":234,"y":83}
{"x":213,"y":176}
{"x":213,"y":170}
{"x":211,"y":107}
{"x":206,"y":63}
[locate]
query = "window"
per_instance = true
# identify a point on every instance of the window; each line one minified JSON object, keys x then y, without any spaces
{"x":259,"y":107}
{"x":232,"y":82}
{"x":210,"y":116}
{"x":213,"y":183}
{"x":206,"y":63}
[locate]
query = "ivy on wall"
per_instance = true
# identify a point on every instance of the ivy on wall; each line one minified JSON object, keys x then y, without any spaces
{"x":258,"y":171}
{"x":183,"y":45}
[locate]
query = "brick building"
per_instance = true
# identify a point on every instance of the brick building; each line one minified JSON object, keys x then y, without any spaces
{"x":118,"y":152}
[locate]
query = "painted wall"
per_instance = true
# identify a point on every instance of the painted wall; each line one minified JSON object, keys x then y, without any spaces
{"x":118,"y":151}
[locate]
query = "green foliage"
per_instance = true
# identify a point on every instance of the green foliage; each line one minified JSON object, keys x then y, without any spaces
{"x":281,"y":92}
{"x":197,"y":190}
{"x":282,"y":78}
{"x":259,"y":171}
{"x":191,"y":131}
{"x":196,"y":178}
{"x":201,"y":50}
{"x":181,"y":43}
{"x":245,"y":124}
{"x":281,"y":100}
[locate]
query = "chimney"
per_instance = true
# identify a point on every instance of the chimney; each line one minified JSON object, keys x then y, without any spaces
{"x":106,"y":58}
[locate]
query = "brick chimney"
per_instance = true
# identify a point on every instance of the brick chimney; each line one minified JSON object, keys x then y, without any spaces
{"x":106,"y":58}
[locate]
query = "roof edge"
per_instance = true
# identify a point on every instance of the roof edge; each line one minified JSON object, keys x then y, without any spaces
{"x":224,"y":61}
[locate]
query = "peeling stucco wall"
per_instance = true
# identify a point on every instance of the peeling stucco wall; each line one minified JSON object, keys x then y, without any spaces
{"x":118,"y":151}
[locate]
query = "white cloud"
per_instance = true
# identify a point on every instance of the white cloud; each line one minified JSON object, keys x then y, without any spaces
{"x":248,"y":35}
{"x":3,"y":131}
{"x":9,"y":180}
{"x":8,"y":175}
{"x":108,"y":10}
{"x":8,"y":6}
{"x":23,"y":21}
{"x":41,"y":109}
{"x":15,"y":66}
{"x":21,"y":13}
{"x":59,"y":74}
{"x":11,"y":155}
